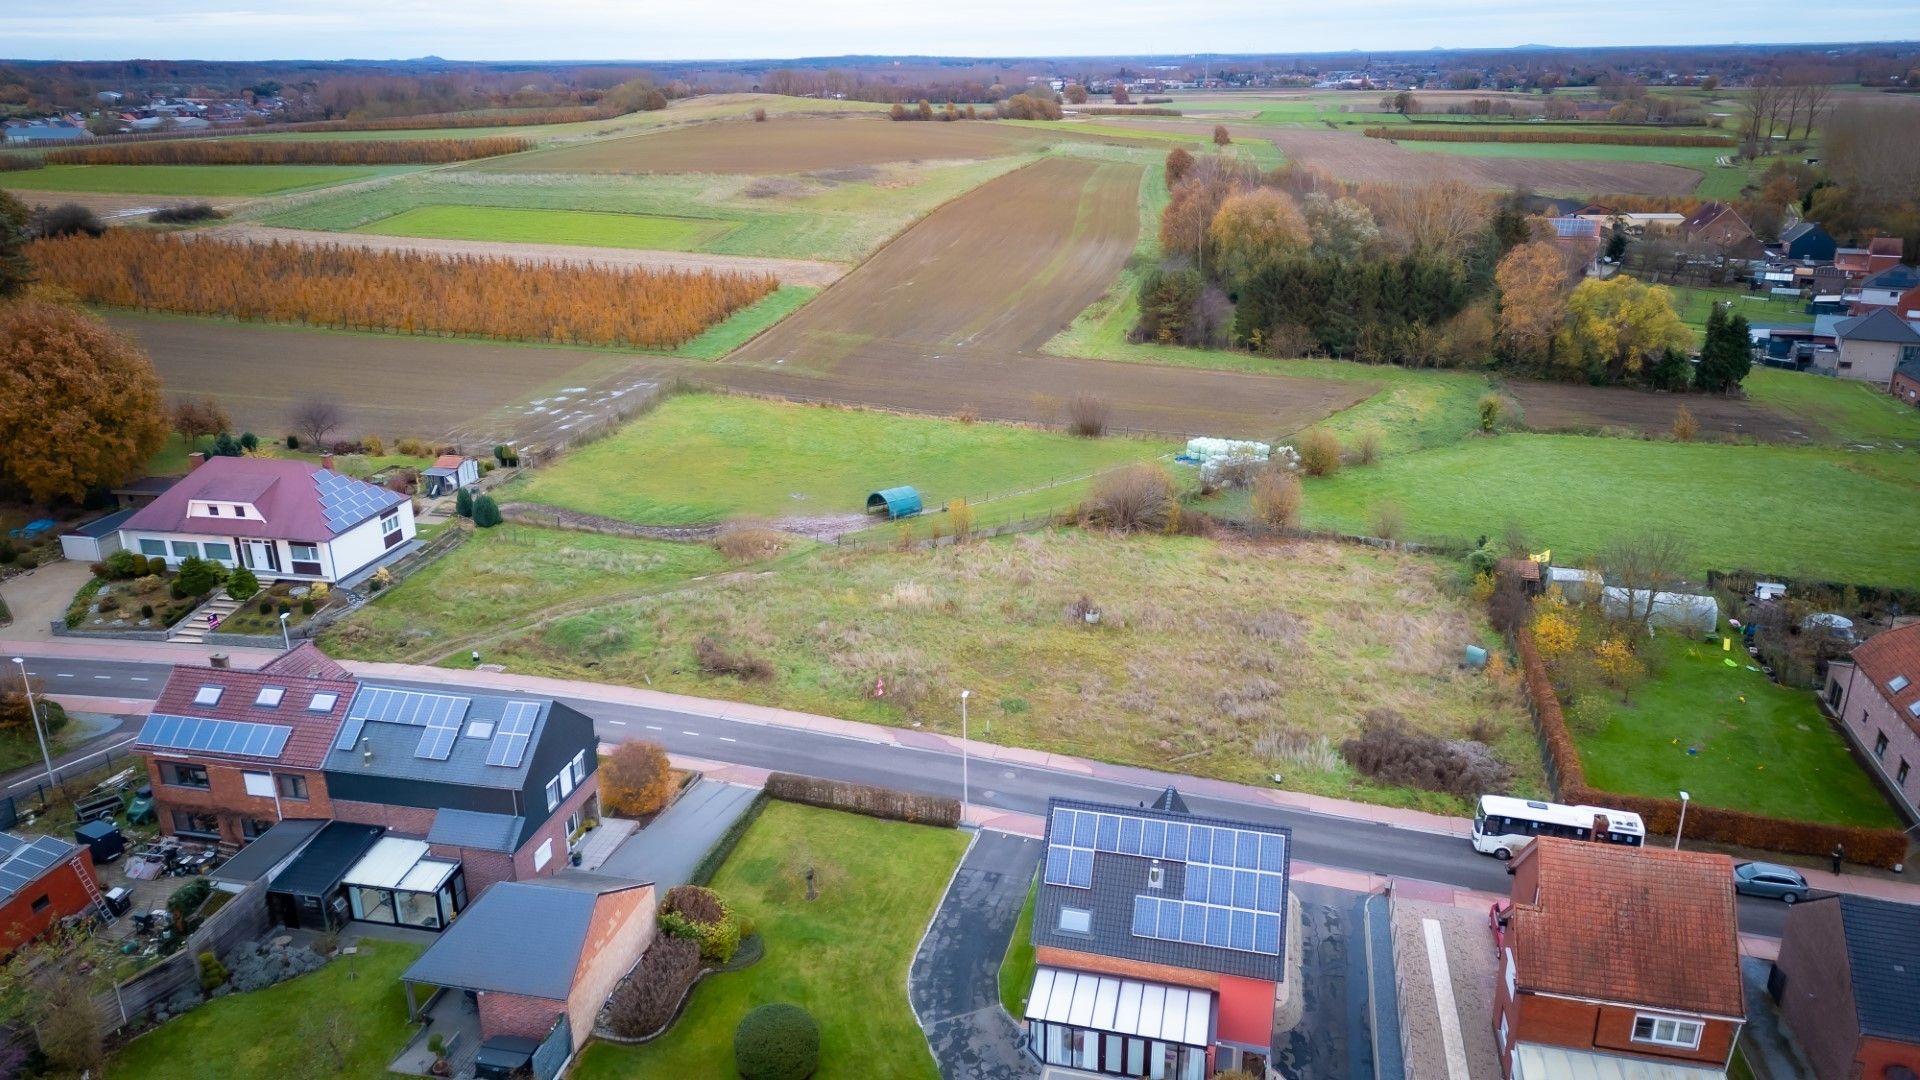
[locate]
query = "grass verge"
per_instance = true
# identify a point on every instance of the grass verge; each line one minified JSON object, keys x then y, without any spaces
{"x":746,"y":324}
{"x":843,"y":957}
{"x":1848,"y":411}
{"x":1017,"y":967}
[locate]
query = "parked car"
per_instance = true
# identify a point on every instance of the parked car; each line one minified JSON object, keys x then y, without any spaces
{"x":1769,"y":880}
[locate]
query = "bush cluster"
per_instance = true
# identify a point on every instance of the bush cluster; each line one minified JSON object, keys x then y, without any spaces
{"x":1465,"y":133}
{"x":864,"y":799}
{"x":716,"y":659}
{"x":184,"y":213}
{"x":699,"y":915}
{"x":1133,"y":498}
{"x":645,"y":1003}
{"x":1389,"y":751}
{"x":777,"y":1042}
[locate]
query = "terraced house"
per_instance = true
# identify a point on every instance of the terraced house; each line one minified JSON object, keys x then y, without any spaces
{"x":370,"y":802}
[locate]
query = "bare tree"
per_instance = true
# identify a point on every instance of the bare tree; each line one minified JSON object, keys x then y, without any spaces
{"x":316,"y":418}
{"x":1643,"y":564}
{"x":197,"y":418}
{"x":1819,"y":92}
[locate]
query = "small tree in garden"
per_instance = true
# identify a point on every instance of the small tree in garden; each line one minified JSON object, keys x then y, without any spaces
{"x":242,"y":584}
{"x":463,"y":503}
{"x":777,"y":1042}
{"x":636,"y":779}
{"x":249,"y":441}
{"x":1319,"y":452}
{"x":1490,"y":410}
{"x":198,"y":576}
{"x":197,"y":418}
{"x":486,"y":513}
{"x":960,"y":517}
{"x":316,"y":419}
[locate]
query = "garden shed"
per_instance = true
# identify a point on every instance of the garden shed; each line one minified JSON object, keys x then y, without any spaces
{"x":95,"y":540}
{"x":449,"y":473}
{"x":895,"y":502}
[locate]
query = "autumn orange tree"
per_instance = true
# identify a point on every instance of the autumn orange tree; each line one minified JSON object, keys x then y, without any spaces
{"x":636,"y":779}
{"x":1253,"y":228}
{"x":1533,"y":284}
{"x":267,"y":152}
{"x":80,"y":405}
{"x":1194,"y":202}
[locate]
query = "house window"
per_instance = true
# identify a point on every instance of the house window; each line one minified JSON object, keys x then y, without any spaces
{"x":154,"y":548}
{"x":190,"y":824}
{"x":1667,"y":1031}
{"x":219,"y":552}
{"x":251,"y":828}
{"x":207,"y":695}
{"x":186,"y":775}
{"x":291,"y":786}
{"x":322,"y":702}
{"x":553,"y":794}
{"x":41,"y":904}
{"x":1898,"y":684}
{"x":186,"y":549}
{"x":1900,"y":777}
{"x":306,"y":558}
{"x":1076,"y":920}
{"x":1880,"y":746}
{"x":1833,"y":695}
{"x":240,"y":511}
{"x":578,"y":768}
{"x":213,"y":510}
{"x":543,"y":855}
{"x":390,"y":527}
{"x":574,"y":821}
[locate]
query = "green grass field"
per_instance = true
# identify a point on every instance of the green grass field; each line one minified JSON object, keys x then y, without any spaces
{"x":1756,"y":746}
{"x":706,"y":457}
{"x":1851,"y":412}
{"x":522,"y":226}
{"x":1695,"y":305}
{"x":1017,"y":967}
{"x":226,"y":180}
{"x":1716,"y":181}
{"x":843,"y":957}
{"x":1763,"y":508}
{"x":747,"y":323}
{"x":246,"y":1036}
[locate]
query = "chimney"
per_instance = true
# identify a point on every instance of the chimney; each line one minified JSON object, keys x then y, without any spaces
{"x":366,"y":751}
{"x":195,"y":460}
{"x":326,"y":461}
{"x":219,"y":660}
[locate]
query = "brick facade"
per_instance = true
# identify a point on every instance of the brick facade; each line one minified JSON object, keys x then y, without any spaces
{"x":516,"y":1014}
{"x":622,"y":928}
{"x":65,"y":894}
{"x":225,"y":796}
{"x":1050,"y":956}
{"x":1600,"y":1027}
{"x":1906,"y":387}
{"x":526,"y":861}
{"x":409,"y":820}
{"x":1866,"y":716}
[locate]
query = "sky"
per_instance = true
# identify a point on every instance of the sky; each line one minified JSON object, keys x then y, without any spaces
{"x":654,"y":30}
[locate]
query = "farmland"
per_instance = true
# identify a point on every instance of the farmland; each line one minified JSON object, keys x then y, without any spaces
{"x":515,"y":225}
{"x":193,"y":179}
{"x":1532,"y":159}
{"x":1552,"y":406}
{"x":1538,"y":167}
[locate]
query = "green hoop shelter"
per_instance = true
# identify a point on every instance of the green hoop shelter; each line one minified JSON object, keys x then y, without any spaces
{"x":895,"y":502}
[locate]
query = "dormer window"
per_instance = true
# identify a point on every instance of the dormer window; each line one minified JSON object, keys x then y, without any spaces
{"x":212,"y":510}
{"x":208,"y":695}
{"x":269,"y":697}
{"x":239,"y":511}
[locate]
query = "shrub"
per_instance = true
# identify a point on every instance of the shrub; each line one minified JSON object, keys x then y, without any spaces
{"x":269,"y":152}
{"x":759,"y":116}
{"x":1277,"y":499}
{"x":184,"y":213}
{"x":376,"y":446}
{"x":7,"y":552}
{"x":960,"y":519}
{"x":187,"y":899}
{"x":697,"y":914}
{"x":306,"y":605}
{"x":249,"y":441}
{"x":645,"y":1003}
{"x":266,"y":606}
{"x":242,"y":584}
{"x":1366,"y":446}
{"x":197,"y":577}
{"x":1685,"y":427}
{"x":121,"y":564}
{"x":1319,"y":452}
{"x":486,"y":512}
{"x":1389,"y":521}
{"x":286,"y":607}
{"x":213,"y":973}
{"x":463,"y":503}
{"x":27,"y":562}
{"x":1490,"y":409}
{"x":777,"y":1042}
{"x":1138,"y":497}
{"x":1088,"y":414}
{"x":109,"y":602}
{"x":67,"y":219}
{"x":1389,"y":752}
{"x":696,"y":902}
{"x":293,"y":442}
{"x":864,"y":799}
{"x":716,"y":659}
{"x":749,"y":541}
{"x":636,"y":779}
{"x":146,"y":611}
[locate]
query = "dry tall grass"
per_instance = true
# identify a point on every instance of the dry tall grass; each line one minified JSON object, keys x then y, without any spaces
{"x":1134,"y":498}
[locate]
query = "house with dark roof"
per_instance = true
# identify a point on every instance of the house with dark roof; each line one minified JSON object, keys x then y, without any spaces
{"x":1720,"y":227}
{"x":1618,"y":962}
{"x":1875,"y":693}
{"x":1883,"y":288}
{"x":1906,"y":382}
{"x":1808,"y":241}
{"x":281,"y":519}
{"x":43,"y":879}
{"x":1160,"y":940}
{"x":534,"y":954}
{"x":1872,"y":346}
{"x":1848,"y":983}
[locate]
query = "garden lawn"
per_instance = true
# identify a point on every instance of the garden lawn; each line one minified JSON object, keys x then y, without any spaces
{"x":523,"y":226}
{"x":843,"y":957}
{"x":706,"y":457}
{"x":247,"y":1036}
{"x":508,"y":573}
{"x":1214,"y":658}
{"x":1848,"y":411}
{"x":1761,"y":747}
{"x":194,"y":179}
{"x":1694,"y":305}
{"x":1017,"y":968}
{"x":1769,"y":509}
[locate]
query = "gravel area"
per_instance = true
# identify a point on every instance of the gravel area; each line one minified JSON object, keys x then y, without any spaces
{"x":1471,"y":967}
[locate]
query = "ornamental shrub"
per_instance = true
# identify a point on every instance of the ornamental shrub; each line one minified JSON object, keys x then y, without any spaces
{"x":777,"y":1042}
{"x":700,"y":904}
{"x":249,"y":441}
{"x":242,"y":584}
{"x":306,"y":605}
{"x":121,"y":564}
{"x":646,"y":1001}
{"x":213,"y":973}
{"x":197,"y":577}
{"x":463,"y":503}
{"x":486,"y":513}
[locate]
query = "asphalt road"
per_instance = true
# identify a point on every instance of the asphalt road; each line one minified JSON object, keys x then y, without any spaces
{"x":1317,"y":838}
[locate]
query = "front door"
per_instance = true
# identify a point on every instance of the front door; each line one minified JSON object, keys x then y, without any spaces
{"x":260,"y":555}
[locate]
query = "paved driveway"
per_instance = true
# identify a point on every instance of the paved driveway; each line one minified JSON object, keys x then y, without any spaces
{"x":1332,"y":1040}
{"x":955,"y":980}
{"x":38,"y":597}
{"x":667,"y":851}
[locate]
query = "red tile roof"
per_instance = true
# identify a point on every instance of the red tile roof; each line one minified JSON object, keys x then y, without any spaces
{"x":305,"y":661}
{"x":448,"y":461}
{"x":284,"y":492}
{"x":1886,"y":245}
{"x":313,"y":732}
{"x":1639,"y":926}
{"x":1885,"y":657}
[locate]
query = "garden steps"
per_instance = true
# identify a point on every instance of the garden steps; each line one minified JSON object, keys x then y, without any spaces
{"x":195,"y":627}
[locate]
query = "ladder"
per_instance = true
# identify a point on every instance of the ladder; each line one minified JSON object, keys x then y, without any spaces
{"x":85,"y":873}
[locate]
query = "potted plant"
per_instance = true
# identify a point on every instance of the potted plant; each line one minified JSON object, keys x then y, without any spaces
{"x":437,"y":1044}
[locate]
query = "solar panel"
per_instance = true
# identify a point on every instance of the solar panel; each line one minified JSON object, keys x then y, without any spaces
{"x":349,"y":733}
{"x":443,"y":728}
{"x":214,"y":736}
{"x":347,"y":502}
{"x":511,"y":735}
{"x":414,"y":708}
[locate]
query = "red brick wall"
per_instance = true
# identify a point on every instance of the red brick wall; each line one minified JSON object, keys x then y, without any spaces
{"x":513,"y":1014}
{"x":485,"y":869}
{"x":555,"y":830}
{"x":1130,"y":969}
{"x":66,"y":895}
{"x":1878,"y":1055}
{"x":1585,"y":1025}
{"x":621,"y":930}
{"x":412,"y":820}
{"x":226,"y":796}
{"x":1906,"y":388}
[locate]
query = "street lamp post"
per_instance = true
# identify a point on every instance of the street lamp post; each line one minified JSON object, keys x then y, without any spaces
{"x":285,"y":640}
{"x":1682,"y":827}
{"x":34,"y":711}
{"x":964,"y":695}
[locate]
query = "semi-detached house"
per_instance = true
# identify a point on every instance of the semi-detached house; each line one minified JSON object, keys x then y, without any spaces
{"x":1876,"y":695}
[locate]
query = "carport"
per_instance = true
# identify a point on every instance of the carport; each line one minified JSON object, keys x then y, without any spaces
{"x":895,"y":502}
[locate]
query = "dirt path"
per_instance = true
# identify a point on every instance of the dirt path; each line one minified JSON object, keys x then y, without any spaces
{"x":789,"y":271}
{"x":118,"y":206}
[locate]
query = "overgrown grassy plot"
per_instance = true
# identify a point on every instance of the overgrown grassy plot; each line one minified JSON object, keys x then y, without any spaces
{"x":1212,"y":658}
{"x":355,"y":1004}
{"x":1729,"y":737}
{"x":706,"y":457}
{"x":843,"y":956}
{"x":523,"y":226}
{"x":1847,"y":411}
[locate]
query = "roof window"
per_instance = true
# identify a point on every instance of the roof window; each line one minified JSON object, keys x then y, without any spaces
{"x":480,"y":729}
{"x":269,"y":697}
{"x":1898,"y":684}
{"x":1076,"y":920}
{"x":323,"y":701}
{"x":208,"y":695}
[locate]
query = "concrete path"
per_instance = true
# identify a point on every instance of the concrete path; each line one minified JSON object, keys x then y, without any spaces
{"x":954,"y":983}
{"x":603,"y":841}
{"x":38,"y":597}
{"x":1769,"y":1049}
{"x":667,"y":851}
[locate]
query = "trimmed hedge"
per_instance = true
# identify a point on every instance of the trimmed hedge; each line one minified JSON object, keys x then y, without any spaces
{"x":1463,"y":133}
{"x":777,"y":1041}
{"x":864,"y":799}
{"x":1871,"y":847}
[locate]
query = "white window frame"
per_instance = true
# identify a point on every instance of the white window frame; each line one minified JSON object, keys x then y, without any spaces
{"x":553,"y":794}
{"x":566,"y":781}
{"x":269,"y":697}
{"x":1081,"y":917}
{"x":577,"y":768}
{"x":147,"y":545}
{"x":390,"y":522}
{"x":1681,"y":1033}
{"x":543,"y":854}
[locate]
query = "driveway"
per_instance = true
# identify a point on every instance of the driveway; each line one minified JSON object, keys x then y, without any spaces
{"x":954,"y":984}
{"x":38,"y":597}
{"x":667,"y":851}
{"x":1333,"y":1040}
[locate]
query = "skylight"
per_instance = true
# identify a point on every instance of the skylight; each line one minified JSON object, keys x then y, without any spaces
{"x":480,"y":729}
{"x":269,"y":697}
{"x":1913,"y":710}
{"x":1898,"y":684}
{"x":323,"y":701}
{"x":208,"y":695}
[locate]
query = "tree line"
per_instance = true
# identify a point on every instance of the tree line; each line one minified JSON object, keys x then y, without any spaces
{"x":1462,"y":133}
{"x":264,"y":152}
{"x":408,"y":292}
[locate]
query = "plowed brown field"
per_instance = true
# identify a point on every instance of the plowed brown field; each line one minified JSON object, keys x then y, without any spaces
{"x":1350,"y":155}
{"x":1549,"y":406}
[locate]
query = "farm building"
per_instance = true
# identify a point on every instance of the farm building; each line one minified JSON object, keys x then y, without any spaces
{"x":895,"y":502}
{"x":42,"y":881}
{"x":449,"y":473}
